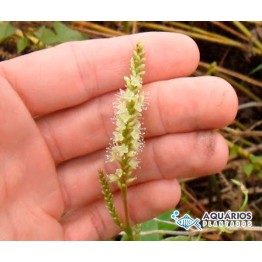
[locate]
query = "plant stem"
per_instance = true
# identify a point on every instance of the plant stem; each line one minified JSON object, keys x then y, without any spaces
{"x":230,"y":30}
{"x":196,"y":232}
{"x":224,"y":41}
{"x":127,"y":227}
{"x":99,"y":28}
{"x":245,"y":193}
{"x":247,"y":33}
{"x":234,"y":74}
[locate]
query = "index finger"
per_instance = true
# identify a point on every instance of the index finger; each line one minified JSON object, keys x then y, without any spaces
{"x":72,"y":73}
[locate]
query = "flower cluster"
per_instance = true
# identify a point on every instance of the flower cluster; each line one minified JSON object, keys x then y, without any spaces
{"x":128,"y":139}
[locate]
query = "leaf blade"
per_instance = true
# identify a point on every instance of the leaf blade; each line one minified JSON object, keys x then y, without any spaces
{"x":248,"y":169}
{"x":150,"y":225}
{"x":66,"y":34}
{"x":46,"y":35}
{"x":22,"y":44}
{"x":6,"y":30}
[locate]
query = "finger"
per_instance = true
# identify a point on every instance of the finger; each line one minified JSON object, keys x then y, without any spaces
{"x":145,"y":201}
{"x":180,"y":105}
{"x":166,"y":157}
{"x":75,"y":72}
{"x":28,"y":179}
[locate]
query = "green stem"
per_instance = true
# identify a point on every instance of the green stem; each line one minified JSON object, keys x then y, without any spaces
{"x":245,"y":193}
{"x":127,"y":227}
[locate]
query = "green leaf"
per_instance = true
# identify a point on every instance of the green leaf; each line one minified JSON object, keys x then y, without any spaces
{"x":259,"y":174}
{"x":255,"y":159}
{"x":233,"y":150}
{"x":21,"y":44}
{"x":46,"y":35}
{"x":6,"y":30}
{"x":248,"y":168}
{"x":167,"y":217}
{"x":62,"y":34}
{"x":149,"y":226}
{"x":65,"y":34}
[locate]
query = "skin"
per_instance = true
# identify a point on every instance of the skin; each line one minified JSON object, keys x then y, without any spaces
{"x":55,"y":112}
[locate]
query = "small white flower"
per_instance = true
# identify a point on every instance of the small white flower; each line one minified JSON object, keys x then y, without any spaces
{"x":118,"y":136}
{"x":117,"y":152}
{"x":133,"y":163}
{"x":119,"y":172}
{"x":135,"y":134}
{"x":128,"y":96}
{"x":139,"y":102}
{"x":135,"y":81}
{"x":125,"y":117}
{"x":120,"y":125}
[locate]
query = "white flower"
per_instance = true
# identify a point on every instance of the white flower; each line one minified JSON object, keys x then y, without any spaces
{"x":118,"y":136}
{"x":128,"y":140}
{"x":128,"y":96}
{"x":133,"y":163}
{"x":117,"y":152}
{"x":139,"y":102}
{"x":135,"y":81}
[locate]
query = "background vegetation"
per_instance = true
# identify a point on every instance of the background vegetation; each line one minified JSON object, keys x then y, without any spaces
{"x":231,"y":50}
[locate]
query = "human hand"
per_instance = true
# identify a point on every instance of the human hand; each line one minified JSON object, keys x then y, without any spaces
{"x":55,"y":113}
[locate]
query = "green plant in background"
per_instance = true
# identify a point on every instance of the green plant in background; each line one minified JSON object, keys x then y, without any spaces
{"x":41,"y":37}
{"x":6,"y":30}
{"x":60,"y":34}
{"x":127,"y":139}
{"x":254,"y":164}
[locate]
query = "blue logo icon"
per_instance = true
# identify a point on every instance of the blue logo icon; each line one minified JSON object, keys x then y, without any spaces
{"x":186,"y":221}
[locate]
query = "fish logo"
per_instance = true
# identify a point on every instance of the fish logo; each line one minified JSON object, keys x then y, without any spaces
{"x":186,"y":221}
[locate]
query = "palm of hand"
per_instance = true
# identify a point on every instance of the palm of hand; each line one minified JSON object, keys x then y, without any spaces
{"x":49,"y":163}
